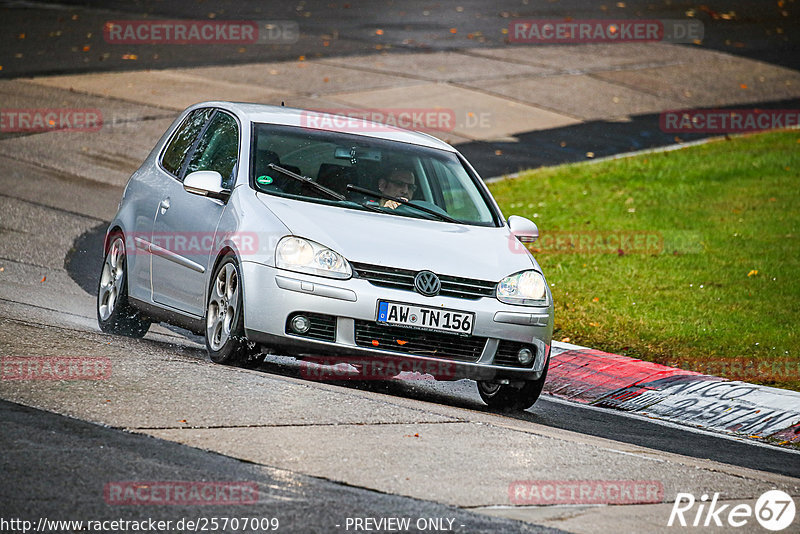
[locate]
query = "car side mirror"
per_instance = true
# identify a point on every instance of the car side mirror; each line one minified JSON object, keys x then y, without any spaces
{"x":206,"y":183}
{"x":523,"y":229}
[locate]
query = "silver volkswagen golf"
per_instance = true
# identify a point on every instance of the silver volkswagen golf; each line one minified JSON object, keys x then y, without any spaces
{"x":271,"y":228}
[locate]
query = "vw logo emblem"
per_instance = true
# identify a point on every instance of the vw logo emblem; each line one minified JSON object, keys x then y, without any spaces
{"x":427,"y":283}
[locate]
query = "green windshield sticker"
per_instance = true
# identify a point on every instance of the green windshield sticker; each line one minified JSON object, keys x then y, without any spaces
{"x":264,"y":180}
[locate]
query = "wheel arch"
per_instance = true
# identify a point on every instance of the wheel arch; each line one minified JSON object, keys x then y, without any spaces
{"x":116,"y":228}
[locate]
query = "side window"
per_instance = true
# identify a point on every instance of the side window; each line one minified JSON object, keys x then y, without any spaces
{"x":460,"y":201}
{"x":182,"y":140}
{"x":218,"y":149}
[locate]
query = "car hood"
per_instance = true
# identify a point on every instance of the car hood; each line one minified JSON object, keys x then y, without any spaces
{"x":478,"y":252}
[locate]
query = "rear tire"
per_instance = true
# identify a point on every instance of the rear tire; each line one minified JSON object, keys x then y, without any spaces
{"x":507,"y":397}
{"x":115,"y":315}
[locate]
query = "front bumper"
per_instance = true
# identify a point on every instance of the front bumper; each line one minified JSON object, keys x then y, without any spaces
{"x":272,"y":296}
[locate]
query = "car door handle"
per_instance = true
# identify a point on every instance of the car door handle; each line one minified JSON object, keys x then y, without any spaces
{"x":164,"y":205}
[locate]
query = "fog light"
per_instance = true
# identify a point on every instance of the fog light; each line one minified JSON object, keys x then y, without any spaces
{"x":525,"y":356}
{"x":300,"y":324}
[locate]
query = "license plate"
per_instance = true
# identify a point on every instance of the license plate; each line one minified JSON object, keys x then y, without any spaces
{"x":425,"y":318}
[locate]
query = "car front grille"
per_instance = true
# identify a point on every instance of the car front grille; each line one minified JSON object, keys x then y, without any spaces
{"x":452,"y":286}
{"x":507,"y":354}
{"x":372,"y":335}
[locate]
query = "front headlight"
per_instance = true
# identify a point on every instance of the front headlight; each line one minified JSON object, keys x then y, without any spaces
{"x":306,"y":256}
{"x":526,"y":288}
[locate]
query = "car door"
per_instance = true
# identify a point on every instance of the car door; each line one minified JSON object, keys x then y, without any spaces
{"x":185,"y":223}
{"x":150,"y":186}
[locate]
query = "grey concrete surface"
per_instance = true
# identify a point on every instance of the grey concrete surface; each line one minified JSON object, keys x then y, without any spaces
{"x":95,"y":158}
{"x":71,"y":472}
{"x":309,"y":78}
{"x":441,"y":460}
{"x":439,"y":67}
{"x":596,"y":56}
{"x":477,"y":115}
{"x":715,"y":84}
{"x":582,"y":97}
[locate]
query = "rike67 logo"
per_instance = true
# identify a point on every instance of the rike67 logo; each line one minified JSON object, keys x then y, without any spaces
{"x":774,"y":510}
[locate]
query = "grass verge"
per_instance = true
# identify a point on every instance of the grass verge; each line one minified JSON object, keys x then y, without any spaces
{"x":689,"y":258}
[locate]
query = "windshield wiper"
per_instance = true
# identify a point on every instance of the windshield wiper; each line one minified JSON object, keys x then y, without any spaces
{"x":376,"y":194}
{"x":308,"y":181}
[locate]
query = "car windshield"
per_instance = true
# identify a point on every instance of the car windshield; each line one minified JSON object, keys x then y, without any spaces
{"x":398,"y":179}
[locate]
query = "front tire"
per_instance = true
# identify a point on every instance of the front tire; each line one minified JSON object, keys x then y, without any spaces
{"x":225,"y":341}
{"x":115,"y":315}
{"x":507,"y":397}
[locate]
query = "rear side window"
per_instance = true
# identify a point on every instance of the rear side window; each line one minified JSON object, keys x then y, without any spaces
{"x":182,"y":141}
{"x":218,"y":148}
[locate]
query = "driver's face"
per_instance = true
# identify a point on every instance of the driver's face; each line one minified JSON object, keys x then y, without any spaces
{"x":399,"y":184}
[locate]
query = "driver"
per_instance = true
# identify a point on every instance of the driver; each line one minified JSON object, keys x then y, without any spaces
{"x":400,"y":183}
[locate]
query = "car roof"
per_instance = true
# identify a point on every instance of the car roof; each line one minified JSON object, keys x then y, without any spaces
{"x":287,"y":116}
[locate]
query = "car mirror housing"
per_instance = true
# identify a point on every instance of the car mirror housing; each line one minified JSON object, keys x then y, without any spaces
{"x":523,"y":229}
{"x":206,"y":183}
